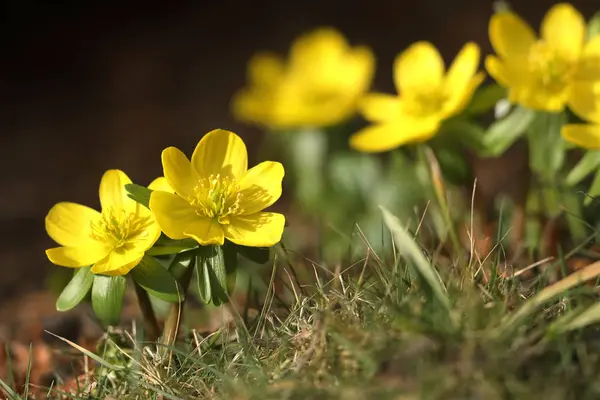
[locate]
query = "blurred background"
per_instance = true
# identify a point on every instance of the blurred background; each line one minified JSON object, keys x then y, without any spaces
{"x":86,"y":87}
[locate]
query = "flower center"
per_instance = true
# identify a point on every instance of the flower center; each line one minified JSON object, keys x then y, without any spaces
{"x":217,"y":197}
{"x":423,"y":103}
{"x":120,"y":228}
{"x":552,"y":71}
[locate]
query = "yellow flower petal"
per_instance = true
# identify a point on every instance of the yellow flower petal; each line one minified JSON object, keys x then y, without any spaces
{"x":112,"y":191}
{"x":178,"y":171}
{"x":461,"y":99}
{"x":161,"y":184}
{"x":589,"y":66}
{"x":261,"y":186}
{"x":220,"y":152}
{"x":256,"y":230}
{"x":80,"y":256}
{"x":317,"y":52}
{"x":205,"y":231}
{"x":463,"y":69}
{"x":379,"y":107}
{"x":172,"y":213}
{"x":118,"y":262}
{"x":418,"y":68}
{"x":585,"y":100}
{"x":384,"y":137}
{"x":563,"y":28}
{"x":69,"y":224}
{"x":511,"y":37}
{"x":583,"y":135}
{"x":265,"y":69}
{"x":496,"y":68}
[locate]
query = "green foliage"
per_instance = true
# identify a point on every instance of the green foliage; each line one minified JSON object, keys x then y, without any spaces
{"x":76,"y":289}
{"x":140,"y":194}
{"x":108,"y":293}
{"x":157,"y":280}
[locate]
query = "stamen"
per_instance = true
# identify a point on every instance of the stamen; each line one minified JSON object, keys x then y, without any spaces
{"x":120,"y":229}
{"x":217,"y":197}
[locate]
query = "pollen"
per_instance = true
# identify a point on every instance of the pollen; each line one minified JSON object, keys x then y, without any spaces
{"x":217,"y":197}
{"x":120,"y":229}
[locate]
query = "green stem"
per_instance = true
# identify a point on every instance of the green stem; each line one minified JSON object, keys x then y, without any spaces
{"x":173,"y":321}
{"x":150,"y":321}
{"x":427,"y":156}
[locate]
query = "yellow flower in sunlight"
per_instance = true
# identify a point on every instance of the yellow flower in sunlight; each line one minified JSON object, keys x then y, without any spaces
{"x":427,"y":96}
{"x":112,"y":241}
{"x":583,"y":135}
{"x":215,"y":196}
{"x":551,"y":72}
{"x":318,"y":86}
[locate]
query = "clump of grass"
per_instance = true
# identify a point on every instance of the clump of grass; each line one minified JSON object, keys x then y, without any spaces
{"x":403,"y":328}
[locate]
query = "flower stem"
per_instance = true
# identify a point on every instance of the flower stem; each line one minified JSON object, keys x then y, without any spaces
{"x":150,"y":322}
{"x":427,"y":156}
{"x":173,"y":320}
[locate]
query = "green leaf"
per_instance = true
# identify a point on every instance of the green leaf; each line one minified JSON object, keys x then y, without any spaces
{"x":156,"y":280}
{"x":139,"y":193}
{"x":76,"y":289}
{"x":230,"y":257}
{"x":423,"y":267}
{"x":453,"y":165}
{"x":505,"y":132}
{"x":259,"y":255}
{"x":546,"y":145}
{"x":182,"y":262}
{"x":588,"y":164}
{"x":169,"y":246}
{"x":212,"y":275}
{"x":469,"y":133}
{"x":594,"y":190}
{"x":354,"y":175}
{"x":308,"y":151}
{"x":593,"y":27}
{"x":107,"y":298}
{"x":485,"y":99}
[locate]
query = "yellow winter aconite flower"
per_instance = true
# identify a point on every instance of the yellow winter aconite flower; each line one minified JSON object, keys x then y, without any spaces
{"x":215,"y":196}
{"x":318,"y":86}
{"x":550,"y":72}
{"x":427,"y":95}
{"x":112,"y":241}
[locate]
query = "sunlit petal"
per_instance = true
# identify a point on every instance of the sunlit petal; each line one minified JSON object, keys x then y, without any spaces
{"x":205,"y":231}
{"x":583,"y":135}
{"x":418,"y":68}
{"x":379,"y":107}
{"x":463,"y":68}
{"x":261,"y":186}
{"x":385,"y":137}
{"x":563,"y":28}
{"x":118,"y":262}
{"x":112,"y":191}
{"x":81,"y":256}
{"x":511,"y":37}
{"x":589,"y":65}
{"x":70,"y":224}
{"x":172,"y":213}
{"x":257,"y":230}
{"x":220,"y":152}
{"x":585,"y":101}
{"x":178,"y":171}
{"x":161,"y":184}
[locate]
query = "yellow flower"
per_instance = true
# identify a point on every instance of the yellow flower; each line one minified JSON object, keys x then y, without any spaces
{"x":551,"y":72}
{"x":113,"y":241}
{"x":216,"y":196}
{"x":161,"y":184}
{"x":318,"y":86}
{"x":583,"y":135}
{"x":427,"y":96}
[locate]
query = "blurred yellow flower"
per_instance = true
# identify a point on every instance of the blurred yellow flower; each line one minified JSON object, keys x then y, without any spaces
{"x":216,"y":196}
{"x":583,"y":135}
{"x":427,"y":95}
{"x":161,"y":184}
{"x":113,"y":241}
{"x":551,"y":72}
{"x":318,"y":86}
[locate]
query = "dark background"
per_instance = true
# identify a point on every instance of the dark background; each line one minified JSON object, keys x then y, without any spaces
{"x":86,"y":87}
